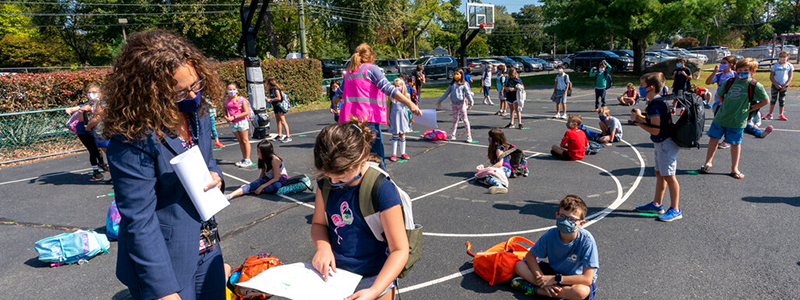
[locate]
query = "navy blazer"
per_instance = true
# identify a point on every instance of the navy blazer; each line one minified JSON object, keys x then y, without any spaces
{"x":159,"y":234}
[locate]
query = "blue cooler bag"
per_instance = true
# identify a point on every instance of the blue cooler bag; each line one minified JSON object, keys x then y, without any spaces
{"x":112,"y":221}
{"x":68,"y":248}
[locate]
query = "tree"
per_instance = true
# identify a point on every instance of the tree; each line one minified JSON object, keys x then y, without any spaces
{"x":507,"y":37}
{"x":637,"y":20}
{"x":686,"y":42}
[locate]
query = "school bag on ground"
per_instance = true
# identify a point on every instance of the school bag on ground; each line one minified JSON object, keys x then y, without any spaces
{"x":252,"y":266}
{"x":516,"y":161}
{"x":69,"y":248}
{"x":496,"y":264}
{"x":686,"y":132}
{"x":434,"y":135}
{"x":296,"y":184}
{"x":112,"y":221}
{"x":371,"y":184}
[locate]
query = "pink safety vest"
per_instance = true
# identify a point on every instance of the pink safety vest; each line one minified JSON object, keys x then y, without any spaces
{"x":361,"y":98}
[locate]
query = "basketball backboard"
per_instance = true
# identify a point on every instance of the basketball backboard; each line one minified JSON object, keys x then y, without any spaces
{"x":480,"y":13}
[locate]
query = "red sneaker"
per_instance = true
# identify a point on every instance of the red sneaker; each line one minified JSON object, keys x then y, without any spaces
{"x":393,"y":158}
{"x":404,"y":156}
{"x":219,"y":145}
{"x":783,"y":118}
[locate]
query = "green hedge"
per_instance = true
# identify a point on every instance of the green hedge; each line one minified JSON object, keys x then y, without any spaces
{"x":300,"y":79}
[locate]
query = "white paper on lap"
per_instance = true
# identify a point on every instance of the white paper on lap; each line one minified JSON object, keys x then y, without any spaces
{"x":300,"y":281}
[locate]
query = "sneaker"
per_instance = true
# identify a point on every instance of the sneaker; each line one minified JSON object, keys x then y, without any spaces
{"x":393,"y":158}
{"x":783,"y":118}
{"x":404,"y":156}
{"x":557,"y":116}
{"x":564,"y":116}
{"x":219,"y":145}
{"x":707,"y":105}
{"x":497,"y":190}
{"x":508,"y":125}
{"x":523,"y":285}
{"x":671,"y":215}
{"x":104,"y":168}
{"x":651,"y":208}
{"x":672,"y":111}
{"x":240,"y":164}
{"x":286,"y":139}
{"x":247,"y":163}
{"x":97,"y":175}
{"x":469,"y":140}
{"x":766,"y":132}
{"x":723,"y":145}
{"x":519,"y":126}
{"x":485,"y":101}
{"x":490,"y":102}
{"x":767,"y":117}
{"x":499,"y":113}
{"x":275,"y":138}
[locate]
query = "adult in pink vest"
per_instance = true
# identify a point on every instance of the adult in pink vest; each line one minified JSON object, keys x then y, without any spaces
{"x":363,"y":95}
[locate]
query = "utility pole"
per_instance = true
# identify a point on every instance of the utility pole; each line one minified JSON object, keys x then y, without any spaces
{"x":302,"y":21}
{"x":554,"y":44}
{"x":612,"y":42}
{"x":122,"y":22}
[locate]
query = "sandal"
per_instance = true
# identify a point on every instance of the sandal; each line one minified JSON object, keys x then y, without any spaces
{"x":737,"y":175}
{"x":704,"y":170}
{"x":508,"y":125}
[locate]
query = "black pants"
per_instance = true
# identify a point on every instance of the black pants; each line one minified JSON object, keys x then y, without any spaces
{"x":95,"y":156}
{"x":599,"y":95}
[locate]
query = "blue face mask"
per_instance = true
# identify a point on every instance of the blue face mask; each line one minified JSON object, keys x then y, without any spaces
{"x":679,"y":65}
{"x":190,"y":105}
{"x":565,"y":226}
{"x":603,"y":118}
{"x":338,"y":185}
{"x":743,"y":75}
{"x":723,"y":67}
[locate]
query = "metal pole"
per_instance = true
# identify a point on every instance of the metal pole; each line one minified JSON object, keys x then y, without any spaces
{"x":124,"y":36}
{"x":554,"y":44}
{"x":303,"y":49}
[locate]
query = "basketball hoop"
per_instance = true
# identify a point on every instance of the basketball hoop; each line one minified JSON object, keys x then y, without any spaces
{"x":487,"y":27}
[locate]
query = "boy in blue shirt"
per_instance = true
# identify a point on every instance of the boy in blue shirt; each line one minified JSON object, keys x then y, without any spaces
{"x":571,"y":270}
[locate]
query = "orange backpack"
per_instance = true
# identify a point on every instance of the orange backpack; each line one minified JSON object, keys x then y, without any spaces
{"x":496,"y":264}
{"x":252,"y":266}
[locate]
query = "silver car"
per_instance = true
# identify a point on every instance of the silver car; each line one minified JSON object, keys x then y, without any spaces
{"x":686,"y":53}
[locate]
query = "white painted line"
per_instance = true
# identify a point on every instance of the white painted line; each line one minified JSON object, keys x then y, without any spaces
{"x":593,"y":196}
{"x":252,"y":141}
{"x":432,"y":282}
{"x":282,"y":196}
{"x":45,"y":176}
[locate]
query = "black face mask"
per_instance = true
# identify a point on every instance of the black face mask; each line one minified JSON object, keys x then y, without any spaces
{"x":190,"y":105}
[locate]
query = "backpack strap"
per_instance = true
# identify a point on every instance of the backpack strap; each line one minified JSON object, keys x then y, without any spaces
{"x":368,"y":192}
{"x":728,"y":84}
{"x":751,"y":89}
{"x":508,"y":152}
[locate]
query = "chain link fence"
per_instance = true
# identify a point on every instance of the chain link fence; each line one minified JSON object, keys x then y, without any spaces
{"x":34,"y":134}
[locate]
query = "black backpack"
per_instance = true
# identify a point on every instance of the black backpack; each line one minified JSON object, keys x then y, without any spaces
{"x":516,"y":158}
{"x":686,"y":132}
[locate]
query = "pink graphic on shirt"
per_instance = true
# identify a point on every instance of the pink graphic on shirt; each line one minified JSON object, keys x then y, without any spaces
{"x":346,"y":218}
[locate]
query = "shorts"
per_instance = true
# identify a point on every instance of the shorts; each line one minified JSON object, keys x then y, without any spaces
{"x":241,"y":125}
{"x":666,"y":156}
{"x":733,"y":136}
{"x":276,"y":108}
{"x":560,"y":96}
{"x":367,"y":282}
{"x":614,"y":139}
{"x":486,"y":90}
{"x":548,"y":270}
{"x":101,"y":142}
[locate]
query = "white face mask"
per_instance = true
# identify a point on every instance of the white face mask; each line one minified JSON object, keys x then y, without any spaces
{"x":232,"y":93}
{"x":601,"y":70}
{"x":92,"y":96}
{"x":560,"y":71}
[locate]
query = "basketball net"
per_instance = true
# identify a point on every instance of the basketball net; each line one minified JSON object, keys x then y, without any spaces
{"x":486,"y":29}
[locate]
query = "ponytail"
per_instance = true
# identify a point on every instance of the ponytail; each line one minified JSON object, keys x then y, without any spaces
{"x":363,"y":54}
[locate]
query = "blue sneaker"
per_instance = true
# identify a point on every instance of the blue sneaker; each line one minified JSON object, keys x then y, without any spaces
{"x":521,"y":284}
{"x":670,"y":215}
{"x":651,"y":208}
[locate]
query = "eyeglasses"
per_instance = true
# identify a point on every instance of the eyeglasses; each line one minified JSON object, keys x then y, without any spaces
{"x":195,"y":88}
{"x":571,"y":219}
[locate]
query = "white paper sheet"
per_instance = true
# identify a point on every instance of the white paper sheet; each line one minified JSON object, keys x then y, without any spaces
{"x":193,"y":173}
{"x":300,"y":281}
{"x":428,"y":118}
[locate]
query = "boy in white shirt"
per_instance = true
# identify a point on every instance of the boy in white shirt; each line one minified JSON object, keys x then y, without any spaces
{"x":781,"y":75}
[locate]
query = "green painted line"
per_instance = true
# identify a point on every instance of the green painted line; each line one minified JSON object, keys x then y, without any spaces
{"x":302,"y":135}
{"x":217,"y":149}
{"x":574,"y":102}
{"x":792,"y":104}
{"x":766,"y":120}
{"x":526,"y":128}
{"x":544,"y":106}
{"x":473,"y":142}
{"x":648,"y":214}
{"x":538,"y":98}
{"x":415,"y":131}
{"x":110,"y":194}
{"x":692,"y":172}
{"x":402,"y":161}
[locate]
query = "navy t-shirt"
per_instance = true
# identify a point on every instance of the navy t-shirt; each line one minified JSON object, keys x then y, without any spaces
{"x":657,"y":107}
{"x":352,"y":242}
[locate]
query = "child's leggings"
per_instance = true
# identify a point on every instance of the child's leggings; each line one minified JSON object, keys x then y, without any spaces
{"x":272,"y":188}
{"x":460,"y":110}
{"x":752,"y":130}
{"x":599,"y":95}
{"x":212,"y":117}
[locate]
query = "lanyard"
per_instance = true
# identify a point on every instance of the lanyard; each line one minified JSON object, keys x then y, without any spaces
{"x":192,"y":133}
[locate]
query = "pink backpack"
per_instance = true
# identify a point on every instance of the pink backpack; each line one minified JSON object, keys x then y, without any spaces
{"x":434,"y":135}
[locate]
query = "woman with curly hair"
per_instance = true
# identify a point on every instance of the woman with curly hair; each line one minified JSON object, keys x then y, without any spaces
{"x":155,"y":112}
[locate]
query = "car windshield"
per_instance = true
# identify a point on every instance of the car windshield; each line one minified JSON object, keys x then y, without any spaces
{"x":333,"y":63}
{"x":421,"y":60}
{"x":611,"y":54}
{"x":403,"y":62}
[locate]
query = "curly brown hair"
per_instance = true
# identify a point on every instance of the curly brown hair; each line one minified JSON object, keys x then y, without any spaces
{"x":140,"y":91}
{"x":342,"y":147}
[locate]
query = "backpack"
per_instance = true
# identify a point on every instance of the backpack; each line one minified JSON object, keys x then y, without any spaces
{"x":516,"y":161}
{"x":284,"y":103}
{"x":609,"y":81}
{"x":72,"y":123}
{"x":70,"y":248}
{"x":686,"y":132}
{"x":368,"y":204}
{"x":751,"y":90}
{"x":296,"y":184}
{"x":434,"y":135}
{"x":496,"y":264}
{"x":112,"y":221}
{"x":252,"y":266}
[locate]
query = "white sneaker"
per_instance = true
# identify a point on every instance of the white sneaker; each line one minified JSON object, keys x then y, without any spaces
{"x":490,"y":102}
{"x":247,"y":163}
{"x":557,"y":116}
{"x":469,"y":139}
{"x":240,"y":163}
{"x":564,"y":116}
{"x":485,"y":101}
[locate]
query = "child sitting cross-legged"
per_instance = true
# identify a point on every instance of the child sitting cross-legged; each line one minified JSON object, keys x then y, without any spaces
{"x":273,"y":174}
{"x":571,"y":251}
{"x":611,"y":127}
{"x":573,"y":145}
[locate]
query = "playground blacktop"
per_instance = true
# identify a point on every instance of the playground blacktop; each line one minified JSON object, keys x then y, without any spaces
{"x":737,"y":239}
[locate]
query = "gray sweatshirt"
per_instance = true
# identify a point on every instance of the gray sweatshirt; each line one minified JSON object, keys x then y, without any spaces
{"x":458,"y":92}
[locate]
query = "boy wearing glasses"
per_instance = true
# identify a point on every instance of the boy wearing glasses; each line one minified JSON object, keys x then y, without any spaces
{"x":571,"y":251}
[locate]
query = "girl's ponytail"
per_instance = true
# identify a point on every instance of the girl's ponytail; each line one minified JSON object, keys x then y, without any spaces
{"x":342,"y":147}
{"x":362,"y":54}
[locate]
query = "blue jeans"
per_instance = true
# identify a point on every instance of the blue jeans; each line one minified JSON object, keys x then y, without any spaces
{"x":377,"y":143}
{"x":752,"y":130}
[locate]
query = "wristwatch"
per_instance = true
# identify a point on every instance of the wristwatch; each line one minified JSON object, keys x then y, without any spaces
{"x":558,"y":279}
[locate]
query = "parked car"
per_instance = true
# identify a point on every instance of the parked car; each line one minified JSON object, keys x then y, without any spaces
{"x":762,"y":51}
{"x":623,"y":53}
{"x":567,"y":60}
{"x":555,"y":61}
{"x":686,"y":53}
{"x":294,"y":55}
{"x":585,"y":60}
{"x":792,"y":49}
{"x":395,"y":66}
{"x":719,"y":51}
{"x":492,"y":62}
{"x":546,"y":65}
{"x":658,"y":56}
{"x":477,"y":65}
{"x":438,"y":66}
{"x":528,"y":64}
{"x":332,"y":67}
{"x":510,"y":63}
{"x":653,"y":58}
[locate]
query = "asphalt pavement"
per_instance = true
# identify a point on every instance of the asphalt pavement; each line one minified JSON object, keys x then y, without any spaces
{"x":737,"y":239}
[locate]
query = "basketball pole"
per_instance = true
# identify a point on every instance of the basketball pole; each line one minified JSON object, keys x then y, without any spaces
{"x":465,"y":40}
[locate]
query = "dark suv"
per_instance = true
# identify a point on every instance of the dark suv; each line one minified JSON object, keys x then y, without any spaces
{"x":586,"y":60}
{"x":438,"y":66}
{"x":332,"y":68}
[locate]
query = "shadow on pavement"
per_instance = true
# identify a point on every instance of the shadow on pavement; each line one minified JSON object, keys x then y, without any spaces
{"x":793,"y":201}
{"x":541,"y":209}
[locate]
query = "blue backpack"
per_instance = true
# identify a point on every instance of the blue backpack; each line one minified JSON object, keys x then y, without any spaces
{"x":69,"y":248}
{"x":112,"y":221}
